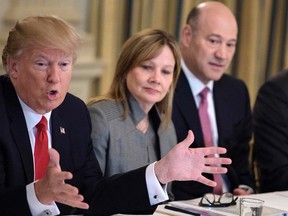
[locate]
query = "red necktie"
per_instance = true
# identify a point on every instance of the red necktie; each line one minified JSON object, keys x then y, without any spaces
{"x":41,"y":156}
{"x":207,"y":133}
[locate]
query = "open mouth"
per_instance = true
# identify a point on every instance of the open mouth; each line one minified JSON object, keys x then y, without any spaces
{"x":52,"y":92}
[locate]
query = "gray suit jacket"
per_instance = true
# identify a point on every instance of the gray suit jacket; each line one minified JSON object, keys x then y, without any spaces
{"x":118,"y":145}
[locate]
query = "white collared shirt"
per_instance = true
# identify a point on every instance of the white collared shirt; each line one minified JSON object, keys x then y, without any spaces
{"x":196,"y":87}
{"x":31,"y":119}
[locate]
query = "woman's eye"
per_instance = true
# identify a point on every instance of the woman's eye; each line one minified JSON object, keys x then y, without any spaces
{"x":147,"y":67}
{"x":167,"y":72}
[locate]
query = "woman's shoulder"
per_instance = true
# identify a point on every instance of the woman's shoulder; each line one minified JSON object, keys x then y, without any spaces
{"x":109,"y":108}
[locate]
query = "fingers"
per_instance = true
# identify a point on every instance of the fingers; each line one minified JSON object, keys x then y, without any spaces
{"x":206,"y":181}
{"x":241,"y":191}
{"x":69,"y":196}
{"x":213,"y":150}
{"x":188,"y":140}
{"x":60,"y":187}
{"x":214,"y":169}
{"x":74,"y":203}
{"x":217,"y":161}
{"x":61,"y":176}
{"x":213,"y":165}
{"x":53,"y":187}
{"x":54,"y":158}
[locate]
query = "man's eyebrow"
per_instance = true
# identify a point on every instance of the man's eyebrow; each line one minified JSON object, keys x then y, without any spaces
{"x":214,"y":35}
{"x":220,"y":37}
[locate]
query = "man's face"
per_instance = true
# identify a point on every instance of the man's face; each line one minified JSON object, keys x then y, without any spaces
{"x":211,"y":47}
{"x":41,"y":77}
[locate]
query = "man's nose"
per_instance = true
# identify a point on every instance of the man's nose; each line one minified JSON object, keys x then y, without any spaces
{"x":221,"y":51}
{"x":53,"y":74}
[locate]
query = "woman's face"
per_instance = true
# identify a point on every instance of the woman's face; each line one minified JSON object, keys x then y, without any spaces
{"x":149,"y":82}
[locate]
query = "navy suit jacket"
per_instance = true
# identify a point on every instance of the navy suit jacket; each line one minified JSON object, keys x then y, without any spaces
{"x":126,"y":193}
{"x":233,"y":119}
{"x":271,"y":133}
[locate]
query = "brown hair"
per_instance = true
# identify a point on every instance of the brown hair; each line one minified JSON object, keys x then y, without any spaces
{"x":141,"y":47}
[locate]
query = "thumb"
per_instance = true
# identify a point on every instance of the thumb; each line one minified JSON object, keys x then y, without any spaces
{"x":54,"y":158}
{"x":188,"y":140}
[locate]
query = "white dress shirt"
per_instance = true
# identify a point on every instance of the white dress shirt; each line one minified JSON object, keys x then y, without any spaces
{"x":196,"y":87}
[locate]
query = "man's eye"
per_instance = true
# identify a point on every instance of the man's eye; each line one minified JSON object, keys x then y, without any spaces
{"x":231,"y":45}
{"x":213,"y":41}
{"x":41,"y":65}
{"x":64,"y":64}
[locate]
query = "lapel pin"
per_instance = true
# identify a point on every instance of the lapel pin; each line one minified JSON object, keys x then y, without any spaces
{"x":62,"y":130}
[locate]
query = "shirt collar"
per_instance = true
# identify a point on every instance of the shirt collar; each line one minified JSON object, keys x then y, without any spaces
{"x":195,"y":84}
{"x":31,"y":117}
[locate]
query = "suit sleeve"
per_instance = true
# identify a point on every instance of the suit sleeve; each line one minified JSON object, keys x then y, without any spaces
{"x":271,"y":137}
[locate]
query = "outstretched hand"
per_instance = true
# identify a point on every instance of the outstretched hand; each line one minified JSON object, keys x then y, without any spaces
{"x":52,"y":188}
{"x":183,"y":163}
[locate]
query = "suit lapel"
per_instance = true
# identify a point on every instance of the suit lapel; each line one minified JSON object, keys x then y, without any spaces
{"x":19,"y":131}
{"x":60,"y":139}
{"x":221,"y":99}
{"x":184,"y":100}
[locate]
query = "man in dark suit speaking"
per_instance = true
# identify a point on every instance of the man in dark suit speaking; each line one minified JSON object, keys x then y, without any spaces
{"x":223,"y":117}
{"x":38,"y":117}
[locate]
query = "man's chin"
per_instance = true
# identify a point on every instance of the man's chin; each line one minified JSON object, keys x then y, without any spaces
{"x":216,"y":76}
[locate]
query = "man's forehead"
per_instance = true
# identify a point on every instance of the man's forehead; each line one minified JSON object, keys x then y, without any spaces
{"x":46,"y":52}
{"x":218,"y":25}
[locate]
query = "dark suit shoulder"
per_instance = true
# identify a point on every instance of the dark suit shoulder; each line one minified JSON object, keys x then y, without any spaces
{"x":276,"y":86}
{"x":281,"y":76}
{"x":71,"y":104}
{"x":281,"y":79}
{"x":231,"y":88}
{"x":73,"y":111}
{"x":231,"y":82}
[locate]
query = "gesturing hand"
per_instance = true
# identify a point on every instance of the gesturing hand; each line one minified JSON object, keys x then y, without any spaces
{"x":53,"y":187}
{"x":183,"y":163}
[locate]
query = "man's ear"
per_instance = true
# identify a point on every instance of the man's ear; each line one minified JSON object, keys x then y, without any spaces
{"x":186,"y":35}
{"x":12,"y":67}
